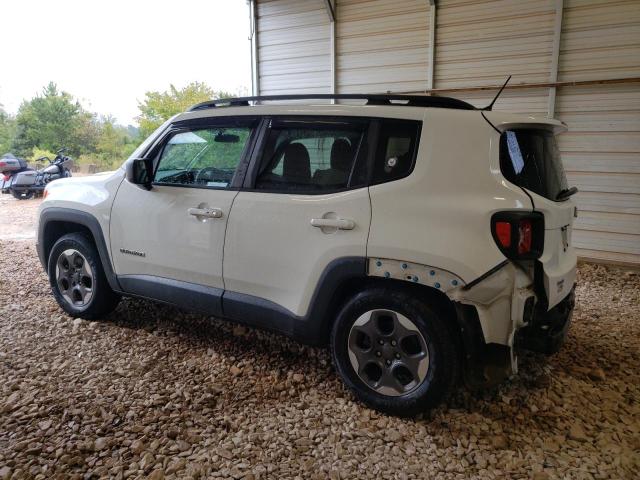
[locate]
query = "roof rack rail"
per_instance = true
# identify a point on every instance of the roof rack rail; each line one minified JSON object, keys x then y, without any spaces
{"x":372,"y":99}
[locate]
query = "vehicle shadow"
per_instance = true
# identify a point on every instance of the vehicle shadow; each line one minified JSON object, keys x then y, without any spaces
{"x":203,"y":335}
{"x":206,"y":334}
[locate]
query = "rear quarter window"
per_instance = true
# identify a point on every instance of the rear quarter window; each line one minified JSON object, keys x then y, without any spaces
{"x":396,"y":151}
{"x":530,"y":158}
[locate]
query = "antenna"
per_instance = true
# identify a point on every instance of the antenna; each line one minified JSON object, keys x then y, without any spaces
{"x":490,"y":106}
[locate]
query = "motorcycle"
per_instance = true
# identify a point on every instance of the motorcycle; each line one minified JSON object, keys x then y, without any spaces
{"x":10,"y":166}
{"x":29,"y":183}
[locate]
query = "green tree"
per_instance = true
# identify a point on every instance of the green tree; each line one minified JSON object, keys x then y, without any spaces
{"x":37,"y":154}
{"x":111,"y":142}
{"x":158,"y":107}
{"x":87,"y":133}
{"x":7,"y":131}
{"x":48,"y":121}
{"x":114,"y":144}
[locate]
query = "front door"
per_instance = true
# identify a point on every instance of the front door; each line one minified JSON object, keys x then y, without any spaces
{"x":305,"y":205}
{"x":168,"y":241}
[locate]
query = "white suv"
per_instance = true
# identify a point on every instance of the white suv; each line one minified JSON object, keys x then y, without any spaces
{"x":424,"y":240}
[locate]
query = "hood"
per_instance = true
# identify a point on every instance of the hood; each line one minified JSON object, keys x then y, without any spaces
{"x":89,"y":189}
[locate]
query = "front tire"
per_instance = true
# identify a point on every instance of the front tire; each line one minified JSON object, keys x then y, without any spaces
{"x":394,"y":351}
{"x":78,"y":280}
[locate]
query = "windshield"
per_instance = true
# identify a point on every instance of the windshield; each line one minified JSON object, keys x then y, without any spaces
{"x":530,"y":158}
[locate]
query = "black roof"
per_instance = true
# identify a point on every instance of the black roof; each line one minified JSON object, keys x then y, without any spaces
{"x":372,"y":99}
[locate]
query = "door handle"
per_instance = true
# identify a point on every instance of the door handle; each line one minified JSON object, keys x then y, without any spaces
{"x":205,"y":212}
{"x":339,"y":223}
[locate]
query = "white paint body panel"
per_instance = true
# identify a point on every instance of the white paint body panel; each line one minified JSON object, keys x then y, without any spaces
{"x":176,"y":245}
{"x":93,"y":194}
{"x":559,"y":258}
{"x":273,"y":252}
{"x":440,"y":215}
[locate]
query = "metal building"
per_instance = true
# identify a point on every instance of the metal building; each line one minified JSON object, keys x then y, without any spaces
{"x":577,"y":60}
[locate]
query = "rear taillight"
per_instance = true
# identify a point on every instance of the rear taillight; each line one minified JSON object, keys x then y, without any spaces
{"x":519,"y":235}
{"x":524,"y":236}
{"x":503,"y":232}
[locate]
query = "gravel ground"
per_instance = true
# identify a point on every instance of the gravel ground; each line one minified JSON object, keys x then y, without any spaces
{"x":154,"y":392}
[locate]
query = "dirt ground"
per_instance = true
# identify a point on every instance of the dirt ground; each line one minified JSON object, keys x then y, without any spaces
{"x":17,"y":218}
{"x":151,"y":392}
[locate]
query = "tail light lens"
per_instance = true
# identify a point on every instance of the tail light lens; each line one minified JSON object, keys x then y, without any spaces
{"x":503,"y":232}
{"x":524,"y":236}
{"x":519,"y":235}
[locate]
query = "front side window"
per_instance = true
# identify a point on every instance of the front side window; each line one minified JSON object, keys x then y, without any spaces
{"x":315,"y":157}
{"x":206,"y":157}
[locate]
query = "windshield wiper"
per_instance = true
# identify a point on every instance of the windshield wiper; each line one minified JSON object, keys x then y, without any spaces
{"x":566,"y":193}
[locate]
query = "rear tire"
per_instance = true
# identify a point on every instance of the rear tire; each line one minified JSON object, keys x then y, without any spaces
{"x":394,"y":351}
{"x":78,"y":280}
{"x":24,"y":195}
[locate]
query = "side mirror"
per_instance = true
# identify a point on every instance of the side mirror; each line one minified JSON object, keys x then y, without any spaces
{"x":138,"y":172}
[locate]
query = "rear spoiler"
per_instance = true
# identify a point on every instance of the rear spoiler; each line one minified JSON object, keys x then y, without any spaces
{"x":503,"y":122}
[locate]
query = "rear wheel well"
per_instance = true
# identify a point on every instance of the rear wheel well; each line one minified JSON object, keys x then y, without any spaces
{"x":55,"y":229}
{"x":351,"y":287}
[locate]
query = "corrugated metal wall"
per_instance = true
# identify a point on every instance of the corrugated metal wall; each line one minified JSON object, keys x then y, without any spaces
{"x":383,"y":45}
{"x":477,"y":42}
{"x":600,"y":40}
{"x":293,"y":47}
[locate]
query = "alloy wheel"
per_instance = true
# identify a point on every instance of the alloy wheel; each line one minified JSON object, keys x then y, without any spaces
{"x":388,"y":352}
{"x":74,"y":278}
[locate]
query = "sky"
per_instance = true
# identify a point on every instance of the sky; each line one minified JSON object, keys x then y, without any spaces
{"x":108,"y":54}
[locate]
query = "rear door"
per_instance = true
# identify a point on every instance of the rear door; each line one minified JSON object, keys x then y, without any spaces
{"x":530,"y":158}
{"x":305,"y":204}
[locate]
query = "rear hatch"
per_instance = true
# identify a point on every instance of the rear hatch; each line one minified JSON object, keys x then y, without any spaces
{"x":530,"y":158}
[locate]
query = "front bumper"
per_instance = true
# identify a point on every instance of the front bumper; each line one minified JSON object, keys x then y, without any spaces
{"x":547,"y":330}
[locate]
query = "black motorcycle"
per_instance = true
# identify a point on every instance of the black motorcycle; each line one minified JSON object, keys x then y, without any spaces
{"x":10,"y":166}
{"x":29,"y":183}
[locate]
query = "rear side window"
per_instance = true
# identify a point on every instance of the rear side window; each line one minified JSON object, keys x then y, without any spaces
{"x":396,"y":151}
{"x":313,"y":157}
{"x":530,"y":158}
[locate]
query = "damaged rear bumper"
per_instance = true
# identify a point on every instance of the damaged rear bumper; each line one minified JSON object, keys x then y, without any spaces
{"x":547,"y":330}
{"x":502,"y":315}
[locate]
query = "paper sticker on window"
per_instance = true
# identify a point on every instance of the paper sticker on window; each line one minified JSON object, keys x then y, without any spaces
{"x":514,"y":152}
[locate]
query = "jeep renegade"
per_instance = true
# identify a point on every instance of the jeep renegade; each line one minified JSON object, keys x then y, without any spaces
{"x":424,"y":240}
